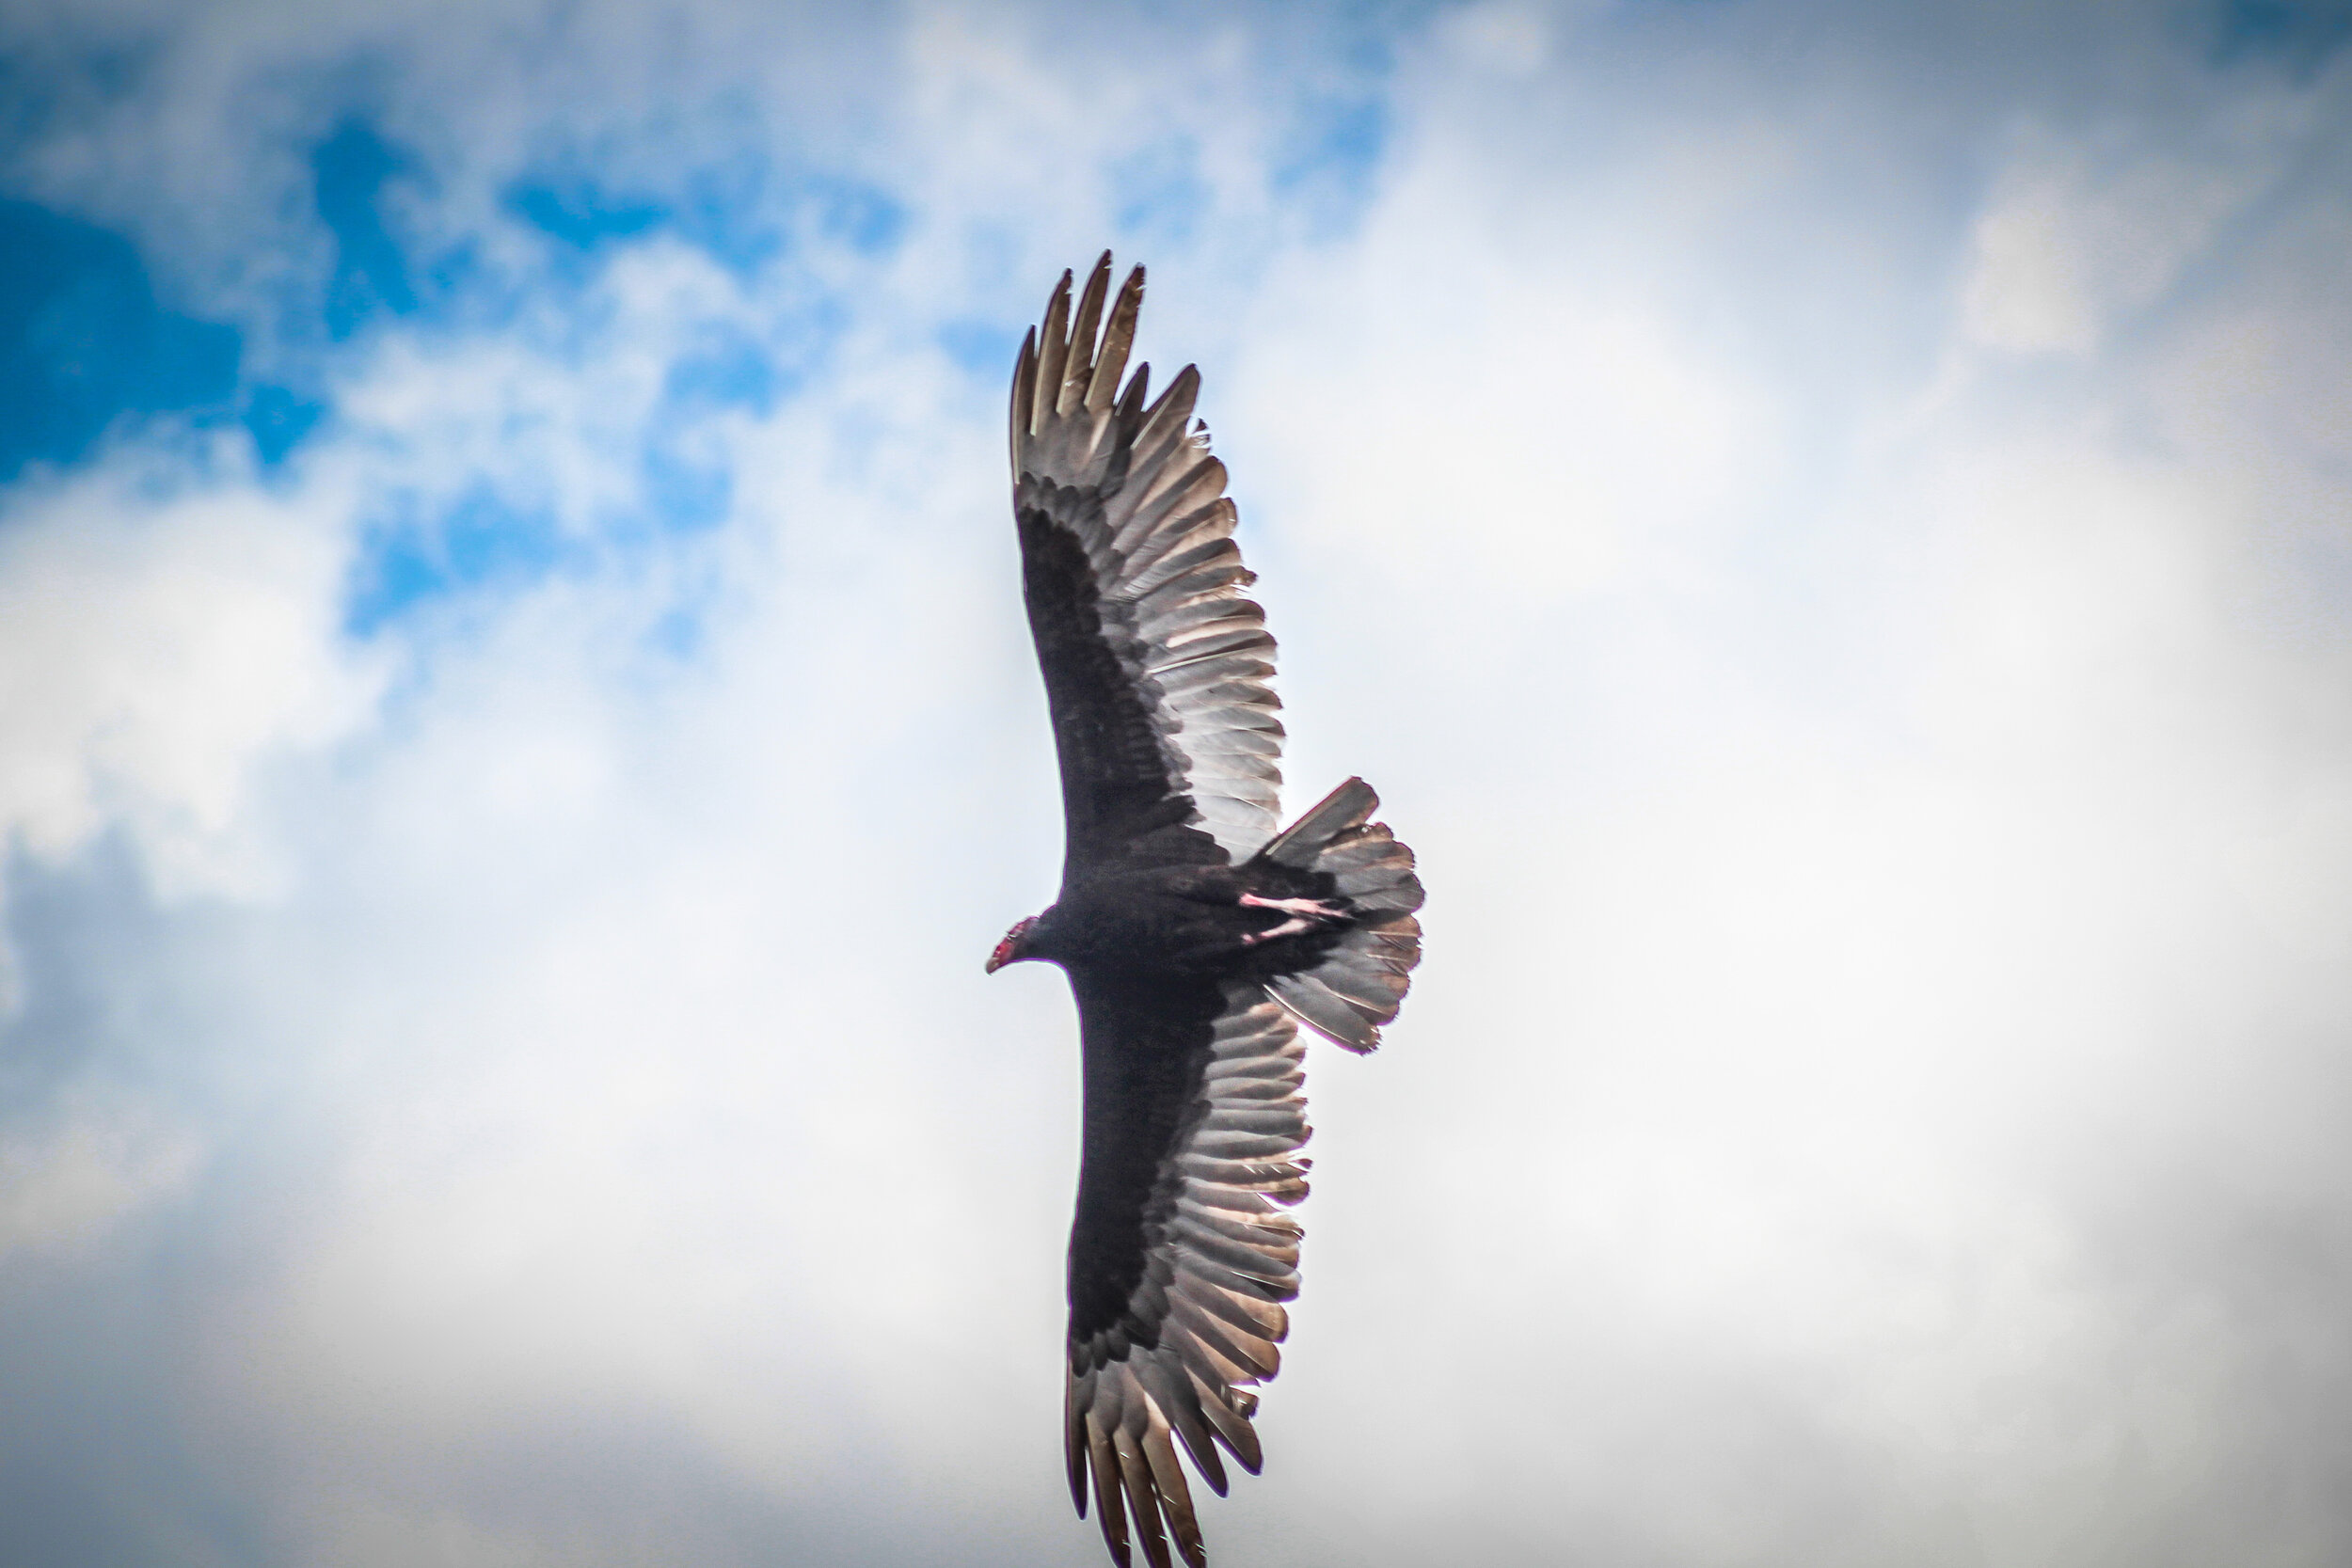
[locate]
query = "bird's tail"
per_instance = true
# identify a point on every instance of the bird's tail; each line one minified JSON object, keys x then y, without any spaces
{"x":1361,"y":981}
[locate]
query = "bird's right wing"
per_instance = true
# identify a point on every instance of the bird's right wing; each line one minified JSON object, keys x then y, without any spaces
{"x":1156,"y":662}
{"x":1179,"y":1254}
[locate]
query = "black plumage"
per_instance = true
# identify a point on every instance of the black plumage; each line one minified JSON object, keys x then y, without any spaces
{"x":1195,"y":936}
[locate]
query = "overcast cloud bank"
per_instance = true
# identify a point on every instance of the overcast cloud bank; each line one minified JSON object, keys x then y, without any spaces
{"x":1827,"y":527}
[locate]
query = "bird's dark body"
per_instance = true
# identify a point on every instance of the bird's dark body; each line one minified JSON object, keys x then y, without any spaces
{"x":1196,"y":936}
{"x":1136,"y":927}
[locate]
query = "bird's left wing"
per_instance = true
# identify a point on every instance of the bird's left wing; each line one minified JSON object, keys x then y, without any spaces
{"x":1156,"y":664}
{"x":1179,"y":1254}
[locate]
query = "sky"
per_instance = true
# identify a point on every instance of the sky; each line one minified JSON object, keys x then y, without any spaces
{"x":1829,"y":525}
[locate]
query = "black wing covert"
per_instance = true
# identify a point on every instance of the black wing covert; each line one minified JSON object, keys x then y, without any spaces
{"x":1180,"y":1256}
{"x":1156,"y":664}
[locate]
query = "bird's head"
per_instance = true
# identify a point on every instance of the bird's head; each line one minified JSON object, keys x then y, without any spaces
{"x":1015,"y":946}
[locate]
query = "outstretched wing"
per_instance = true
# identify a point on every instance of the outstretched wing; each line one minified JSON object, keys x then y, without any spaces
{"x":1180,"y":1256}
{"x":1155,"y":664}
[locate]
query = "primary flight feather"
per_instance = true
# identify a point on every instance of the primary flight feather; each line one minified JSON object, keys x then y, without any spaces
{"x":1195,"y":938}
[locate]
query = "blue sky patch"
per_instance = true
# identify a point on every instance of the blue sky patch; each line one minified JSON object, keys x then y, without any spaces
{"x":84,"y":341}
{"x":678,"y":634}
{"x":684,"y":495}
{"x":867,"y":218}
{"x":1328,"y":167}
{"x":2301,"y":34}
{"x":733,"y":209}
{"x":722,"y":208}
{"x":733,"y":373}
{"x":1158,"y":194}
{"x":982,"y":348}
{"x":580,"y":212}
{"x":279,"y":418}
{"x":350,"y":170}
{"x":481,"y":542}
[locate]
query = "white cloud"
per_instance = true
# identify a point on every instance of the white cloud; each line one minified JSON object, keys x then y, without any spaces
{"x":1885,"y":837}
{"x":2066,"y":246}
{"x":1463,"y":400}
{"x":2086,"y":227}
{"x":65,"y":1185}
{"x":1511,"y":40}
{"x":163,"y":636}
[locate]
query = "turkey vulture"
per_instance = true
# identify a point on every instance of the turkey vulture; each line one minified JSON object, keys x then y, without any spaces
{"x":1195,"y":936}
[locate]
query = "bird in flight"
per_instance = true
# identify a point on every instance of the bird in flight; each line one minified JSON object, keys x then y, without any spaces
{"x":1195,"y":937}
